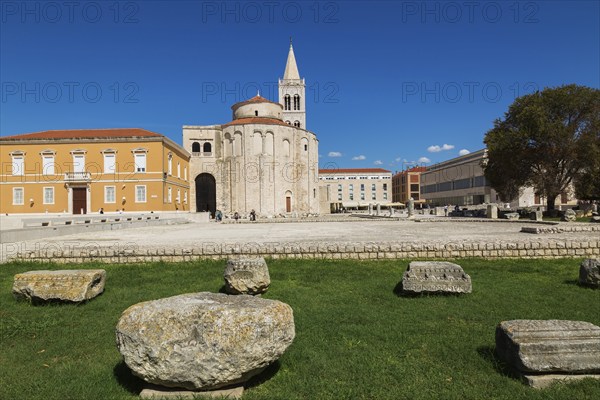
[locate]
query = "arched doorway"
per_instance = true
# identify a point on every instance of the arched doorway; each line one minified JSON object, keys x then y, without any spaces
{"x":206,"y":193}
{"x":288,"y":201}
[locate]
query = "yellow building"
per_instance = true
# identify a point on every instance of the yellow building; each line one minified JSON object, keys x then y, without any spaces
{"x":83,"y":171}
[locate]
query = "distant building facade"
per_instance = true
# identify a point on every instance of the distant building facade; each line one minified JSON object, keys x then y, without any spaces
{"x":263,"y":160}
{"x":354,"y":187}
{"x":83,"y":171}
{"x":461,"y":181}
{"x":407,"y":185}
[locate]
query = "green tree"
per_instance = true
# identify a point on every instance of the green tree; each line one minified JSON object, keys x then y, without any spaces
{"x":587,"y":181}
{"x":539,"y":142}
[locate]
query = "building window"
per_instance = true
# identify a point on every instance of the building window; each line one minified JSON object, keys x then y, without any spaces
{"x":185,"y":196}
{"x":385,"y":195}
{"x":140,"y":193}
{"x":110,"y":163}
{"x":385,"y":186}
{"x":109,"y":194}
{"x":373,"y":187}
{"x":297,"y":124}
{"x":314,"y":193}
{"x":362,"y":195}
{"x":48,"y":195}
{"x":195,"y":147}
{"x":256,"y":113}
{"x":18,"y":165}
{"x":178,"y":169}
{"x":286,"y":102}
{"x":48,"y":164}
{"x":178,"y":198}
{"x":339,"y":187}
{"x":140,"y":162}
{"x":362,"y":187}
{"x":351,"y":187}
{"x":340,"y":196}
{"x":296,"y":102}
{"x":207,"y":148}
{"x":288,"y":122}
{"x":185,"y":173}
{"x":170,"y":164}
{"x":18,"y":195}
{"x":78,"y":162}
{"x":351,"y":196}
{"x":373,"y":196}
{"x":169,"y":196}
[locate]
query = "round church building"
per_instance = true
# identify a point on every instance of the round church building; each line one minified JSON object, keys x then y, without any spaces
{"x":263,"y":160}
{"x":255,"y":162}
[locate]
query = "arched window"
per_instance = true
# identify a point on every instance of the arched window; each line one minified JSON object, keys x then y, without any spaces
{"x":195,"y":147}
{"x":286,"y":102}
{"x":288,"y":122}
{"x":296,"y":102}
{"x":207,"y":148}
{"x":297,"y":124}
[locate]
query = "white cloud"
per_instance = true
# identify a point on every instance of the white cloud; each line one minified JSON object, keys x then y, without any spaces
{"x":398,"y":159}
{"x":436,"y":149}
{"x":378,"y":162}
{"x":424,"y":160}
{"x":463,"y":152}
{"x":334,"y":154}
{"x":359,"y":158}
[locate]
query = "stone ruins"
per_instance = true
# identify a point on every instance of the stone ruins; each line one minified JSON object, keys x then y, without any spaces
{"x":203,"y":341}
{"x":246,"y":275}
{"x":65,"y":285}
{"x":589,"y":273}
{"x":546,"y":351}
{"x":435,"y":277}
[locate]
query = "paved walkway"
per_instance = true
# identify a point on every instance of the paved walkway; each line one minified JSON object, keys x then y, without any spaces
{"x":194,"y":235}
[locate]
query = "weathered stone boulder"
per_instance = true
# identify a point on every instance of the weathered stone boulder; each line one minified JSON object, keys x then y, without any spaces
{"x":203,"y":341}
{"x":589,"y":273}
{"x":435,"y":277}
{"x":569,"y":216}
{"x":66,"y":285}
{"x":549,"y":346}
{"x":511,"y":216}
{"x":247,"y":275}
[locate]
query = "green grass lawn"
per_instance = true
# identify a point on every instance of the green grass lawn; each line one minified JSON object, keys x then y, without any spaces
{"x":355,"y":338}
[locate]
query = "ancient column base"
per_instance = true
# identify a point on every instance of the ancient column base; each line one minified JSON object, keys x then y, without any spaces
{"x":159,"y":393}
{"x":543,"y":381}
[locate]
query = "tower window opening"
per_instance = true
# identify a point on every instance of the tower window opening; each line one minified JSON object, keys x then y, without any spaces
{"x":195,"y":147}
{"x":287,"y":102}
{"x":305,"y":147}
{"x":256,"y":113}
{"x":297,"y":124}
{"x":296,"y":102}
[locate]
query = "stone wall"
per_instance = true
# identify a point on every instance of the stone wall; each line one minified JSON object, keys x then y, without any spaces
{"x":134,"y":253}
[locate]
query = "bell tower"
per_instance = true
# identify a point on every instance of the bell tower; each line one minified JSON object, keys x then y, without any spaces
{"x":292,"y":91}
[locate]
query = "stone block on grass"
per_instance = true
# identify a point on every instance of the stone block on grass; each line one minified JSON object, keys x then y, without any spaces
{"x":204,"y":341}
{"x":435,"y":277}
{"x":65,"y":285}
{"x":589,"y":273}
{"x":246,"y":275}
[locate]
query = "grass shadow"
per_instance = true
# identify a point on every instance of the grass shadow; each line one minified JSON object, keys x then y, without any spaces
{"x":264,"y":376}
{"x":127,"y":379}
{"x":574,"y":282}
{"x":488,"y":353}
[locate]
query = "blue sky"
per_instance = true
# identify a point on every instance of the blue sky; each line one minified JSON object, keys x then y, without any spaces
{"x":388,"y":82}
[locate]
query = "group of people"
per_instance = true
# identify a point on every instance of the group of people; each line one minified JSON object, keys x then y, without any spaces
{"x":236,"y":216}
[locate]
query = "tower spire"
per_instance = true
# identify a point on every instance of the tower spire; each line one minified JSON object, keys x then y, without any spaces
{"x":291,"y":68}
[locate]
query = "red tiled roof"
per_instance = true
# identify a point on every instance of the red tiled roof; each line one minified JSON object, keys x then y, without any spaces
{"x":255,"y":99}
{"x":353,"y":171}
{"x":84,"y":134}
{"x":256,"y":120}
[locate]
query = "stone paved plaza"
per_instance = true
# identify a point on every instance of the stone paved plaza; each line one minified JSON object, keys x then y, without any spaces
{"x":360,"y":239}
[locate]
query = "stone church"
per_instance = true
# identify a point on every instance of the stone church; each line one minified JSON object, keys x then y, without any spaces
{"x":264,"y":159}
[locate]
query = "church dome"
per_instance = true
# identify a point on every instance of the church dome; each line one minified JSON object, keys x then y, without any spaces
{"x":257,"y":107}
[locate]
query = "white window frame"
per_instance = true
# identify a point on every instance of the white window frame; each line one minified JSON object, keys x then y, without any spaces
{"x":170,"y":164}
{"x":178,"y":198}
{"x":185,"y":197}
{"x":178,"y":170}
{"x":138,"y":199}
{"x":106,"y":199}
{"x":140,"y":154}
{"x":185,"y":173}
{"x":15,"y":190}
{"x":169,"y":195}
{"x":49,"y":189}
{"x":106,"y":169}
{"x":18,"y":165}
{"x":48,"y":164}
